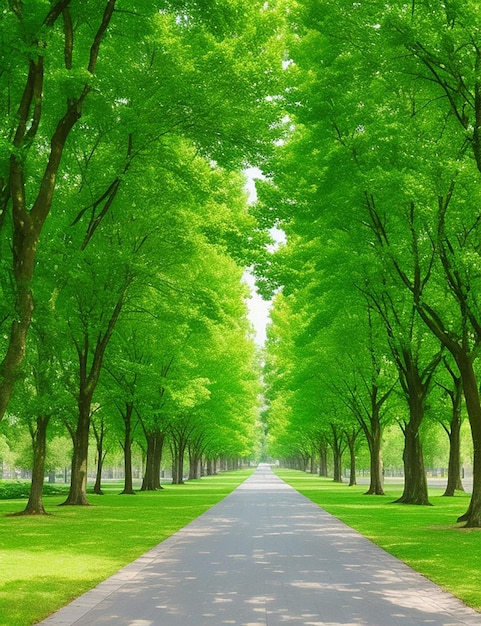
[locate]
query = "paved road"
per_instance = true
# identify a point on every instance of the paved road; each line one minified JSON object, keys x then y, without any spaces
{"x":266,"y":556}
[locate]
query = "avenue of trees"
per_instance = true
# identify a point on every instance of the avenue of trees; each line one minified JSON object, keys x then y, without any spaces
{"x":376,"y":318}
{"x":125,"y":126}
{"x":126,"y":229}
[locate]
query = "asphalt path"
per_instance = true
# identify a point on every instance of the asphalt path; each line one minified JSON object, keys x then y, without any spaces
{"x":266,"y":556}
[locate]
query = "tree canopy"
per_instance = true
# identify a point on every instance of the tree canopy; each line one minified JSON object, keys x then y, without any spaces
{"x":126,"y":229}
{"x":376,"y":186}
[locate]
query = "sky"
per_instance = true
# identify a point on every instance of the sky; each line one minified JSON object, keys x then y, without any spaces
{"x":258,"y":308}
{"x":258,"y":311}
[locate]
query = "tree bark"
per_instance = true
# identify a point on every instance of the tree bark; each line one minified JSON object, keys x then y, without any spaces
{"x":210,"y":471}
{"x":322,"y":450}
{"x":99,"y":433}
{"x":153,"y":460}
{"x":455,"y":482}
{"x":415,"y":482}
{"x":35,"y":501}
{"x":178,"y":452}
{"x":78,"y":480}
{"x":337,"y":450}
{"x":101,"y":454}
{"x":374,"y":440}
{"x":194,"y":463}
{"x":180,"y":436}
{"x":454,"y":433}
{"x":88,"y":381}
{"x":127,"y":448}
{"x":472,"y":517}
{"x":464,"y":358}
{"x":416,"y":384}
{"x":351,"y":442}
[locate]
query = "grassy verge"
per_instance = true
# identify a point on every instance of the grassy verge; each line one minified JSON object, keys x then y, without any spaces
{"x":48,"y":561}
{"x":426,"y":538}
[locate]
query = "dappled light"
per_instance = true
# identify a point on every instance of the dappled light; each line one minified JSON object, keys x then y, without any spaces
{"x":267,"y":556}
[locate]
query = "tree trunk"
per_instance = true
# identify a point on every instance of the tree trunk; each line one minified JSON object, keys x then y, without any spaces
{"x":374,"y":440}
{"x":157,"y":464}
{"x":415,"y":483}
{"x":78,"y":480}
{"x":127,"y":448}
{"x":337,"y":458}
{"x":416,"y":386}
{"x":337,"y":465}
{"x":194,"y":463}
{"x":147,"y":480}
{"x":101,"y":454}
{"x":305,"y":462}
{"x":35,"y":501}
{"x":153,"y":460}
{"x":352,"y":458}
{"x":337,"y":446}
{"x":454,"y":466}
{"x":211,"y":466}
{"x":178,"y":446}
{"x":322,"y":459}
{"x":88,"y":381}
{"x":178,"y":451}
{"x":99,"y":433}
{"x":472,"y":517}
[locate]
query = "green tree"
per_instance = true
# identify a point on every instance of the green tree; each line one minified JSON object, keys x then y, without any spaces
{"x":412,"y":83}
{"x":189,"y":72}
{"x":38,"y":57}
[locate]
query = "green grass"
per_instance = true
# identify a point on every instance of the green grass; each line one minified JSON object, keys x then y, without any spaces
{"x":426,"y":538}
{"x":45,"y":562}
{"x":13,"y":489}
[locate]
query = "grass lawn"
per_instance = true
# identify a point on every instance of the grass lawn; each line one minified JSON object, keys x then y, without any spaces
{"x":45,"y":562}
{"x":426,"y":538}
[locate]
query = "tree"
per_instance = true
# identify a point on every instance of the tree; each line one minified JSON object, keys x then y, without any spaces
{"x":55,"y":75}
{"x":37,"y":125}
{"x":415,"y":79}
